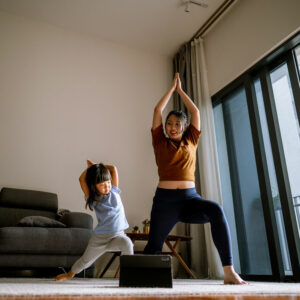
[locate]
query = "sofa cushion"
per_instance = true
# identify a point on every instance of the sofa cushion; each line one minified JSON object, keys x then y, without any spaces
{"x":11,"y":216}
{"x":42,"y":240}
{"x":40,"y":221}
{"x":77,"y":220}
{"x":29,"y":199}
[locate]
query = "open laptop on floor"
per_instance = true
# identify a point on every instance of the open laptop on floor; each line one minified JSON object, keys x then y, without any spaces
{"x":145,"y":271}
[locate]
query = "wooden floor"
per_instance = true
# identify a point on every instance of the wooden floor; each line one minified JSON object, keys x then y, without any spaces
{"x":175,"y":297}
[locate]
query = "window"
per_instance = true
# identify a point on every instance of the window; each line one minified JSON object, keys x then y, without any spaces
{"x":272,"y":177}
{"x":297,"y":53}
{"x":258,"y":140}
{"x":240,"y":186}
{"x":289,"y":130}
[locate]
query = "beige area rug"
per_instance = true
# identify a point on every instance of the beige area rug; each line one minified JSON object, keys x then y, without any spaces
{"x":108,"y":287}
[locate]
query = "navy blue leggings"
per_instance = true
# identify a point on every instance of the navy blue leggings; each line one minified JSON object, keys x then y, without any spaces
{"x":186,"y":205}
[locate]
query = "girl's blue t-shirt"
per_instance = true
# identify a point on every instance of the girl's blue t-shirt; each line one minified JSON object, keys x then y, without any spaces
{"x":110,"y":213}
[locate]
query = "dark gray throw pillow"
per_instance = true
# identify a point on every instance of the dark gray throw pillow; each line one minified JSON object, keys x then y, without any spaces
{"x":39,"y":221}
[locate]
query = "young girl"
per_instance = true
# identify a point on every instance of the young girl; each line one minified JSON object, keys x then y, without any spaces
{"x":176,"y":198}
{"x":99,"y":184}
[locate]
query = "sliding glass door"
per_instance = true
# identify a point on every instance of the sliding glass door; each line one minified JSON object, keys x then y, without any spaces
{"x":289,"y":131}
{"x":271,"y":173}
{"x":240,"y":187}
{"x":258,"y":140}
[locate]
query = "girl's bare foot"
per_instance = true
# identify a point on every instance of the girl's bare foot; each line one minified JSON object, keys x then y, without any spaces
{"x":231,"y":277}
{"x":65,"y":276}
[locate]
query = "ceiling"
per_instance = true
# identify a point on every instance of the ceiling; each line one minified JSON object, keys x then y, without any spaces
{"x":159,"y":26}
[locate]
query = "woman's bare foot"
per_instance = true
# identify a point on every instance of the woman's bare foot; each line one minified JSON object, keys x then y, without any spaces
{"x":231,"y":277}
{"x":65,"y":276}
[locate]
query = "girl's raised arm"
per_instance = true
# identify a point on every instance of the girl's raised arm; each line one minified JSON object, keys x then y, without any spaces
{"x":114,"y":174}
{"x":82,"y":180}
{"x":160,"y":106}
{"x":83,"y":184}
{"x":191,"y":107}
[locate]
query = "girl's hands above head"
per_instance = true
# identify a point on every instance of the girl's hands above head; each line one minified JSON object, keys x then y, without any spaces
{"x":89,"y":163}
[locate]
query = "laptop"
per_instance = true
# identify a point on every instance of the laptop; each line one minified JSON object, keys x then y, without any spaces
{"x":145,"y":271}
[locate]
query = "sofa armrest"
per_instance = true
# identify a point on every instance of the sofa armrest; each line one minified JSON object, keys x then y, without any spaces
{"x":77,"y":220}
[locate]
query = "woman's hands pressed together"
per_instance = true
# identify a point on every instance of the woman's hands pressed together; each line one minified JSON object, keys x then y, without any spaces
{"x":178,"y":86}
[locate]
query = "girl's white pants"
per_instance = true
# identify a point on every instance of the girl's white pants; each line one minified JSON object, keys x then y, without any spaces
{"x":101,"y":243}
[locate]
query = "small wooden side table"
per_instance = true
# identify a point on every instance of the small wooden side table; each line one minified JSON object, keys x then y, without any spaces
{"x":144,"y":237}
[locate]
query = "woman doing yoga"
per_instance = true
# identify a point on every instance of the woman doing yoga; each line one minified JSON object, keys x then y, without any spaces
{"x":176,"y":198}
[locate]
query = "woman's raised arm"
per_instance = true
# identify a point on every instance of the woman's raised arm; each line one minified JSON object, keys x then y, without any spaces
{"x":160,"y":106}
{"x":190,"y":105}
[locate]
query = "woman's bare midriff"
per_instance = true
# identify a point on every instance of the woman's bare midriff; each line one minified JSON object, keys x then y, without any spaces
{"x":173,"y":185}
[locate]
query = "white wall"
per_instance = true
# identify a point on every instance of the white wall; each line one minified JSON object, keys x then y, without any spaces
{"x":247,"y":32}
{"x":65,"y":97}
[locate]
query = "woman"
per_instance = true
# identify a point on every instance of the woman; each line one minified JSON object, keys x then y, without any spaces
{"x":176,"y":198}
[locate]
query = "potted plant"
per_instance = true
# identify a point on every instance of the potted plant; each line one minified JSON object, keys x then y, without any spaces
{"x":136,"y":229}
{"x":146,"y":228}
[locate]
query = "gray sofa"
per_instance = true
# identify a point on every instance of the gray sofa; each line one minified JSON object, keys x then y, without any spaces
{"x":39,"y":246}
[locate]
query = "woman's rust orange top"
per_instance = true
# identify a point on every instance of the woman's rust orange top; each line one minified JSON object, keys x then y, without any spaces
{"x":176,"y":160}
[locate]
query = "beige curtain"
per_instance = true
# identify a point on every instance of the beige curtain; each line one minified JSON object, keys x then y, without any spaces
{"x":201,"y":252}
{"x":207,"y":159}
